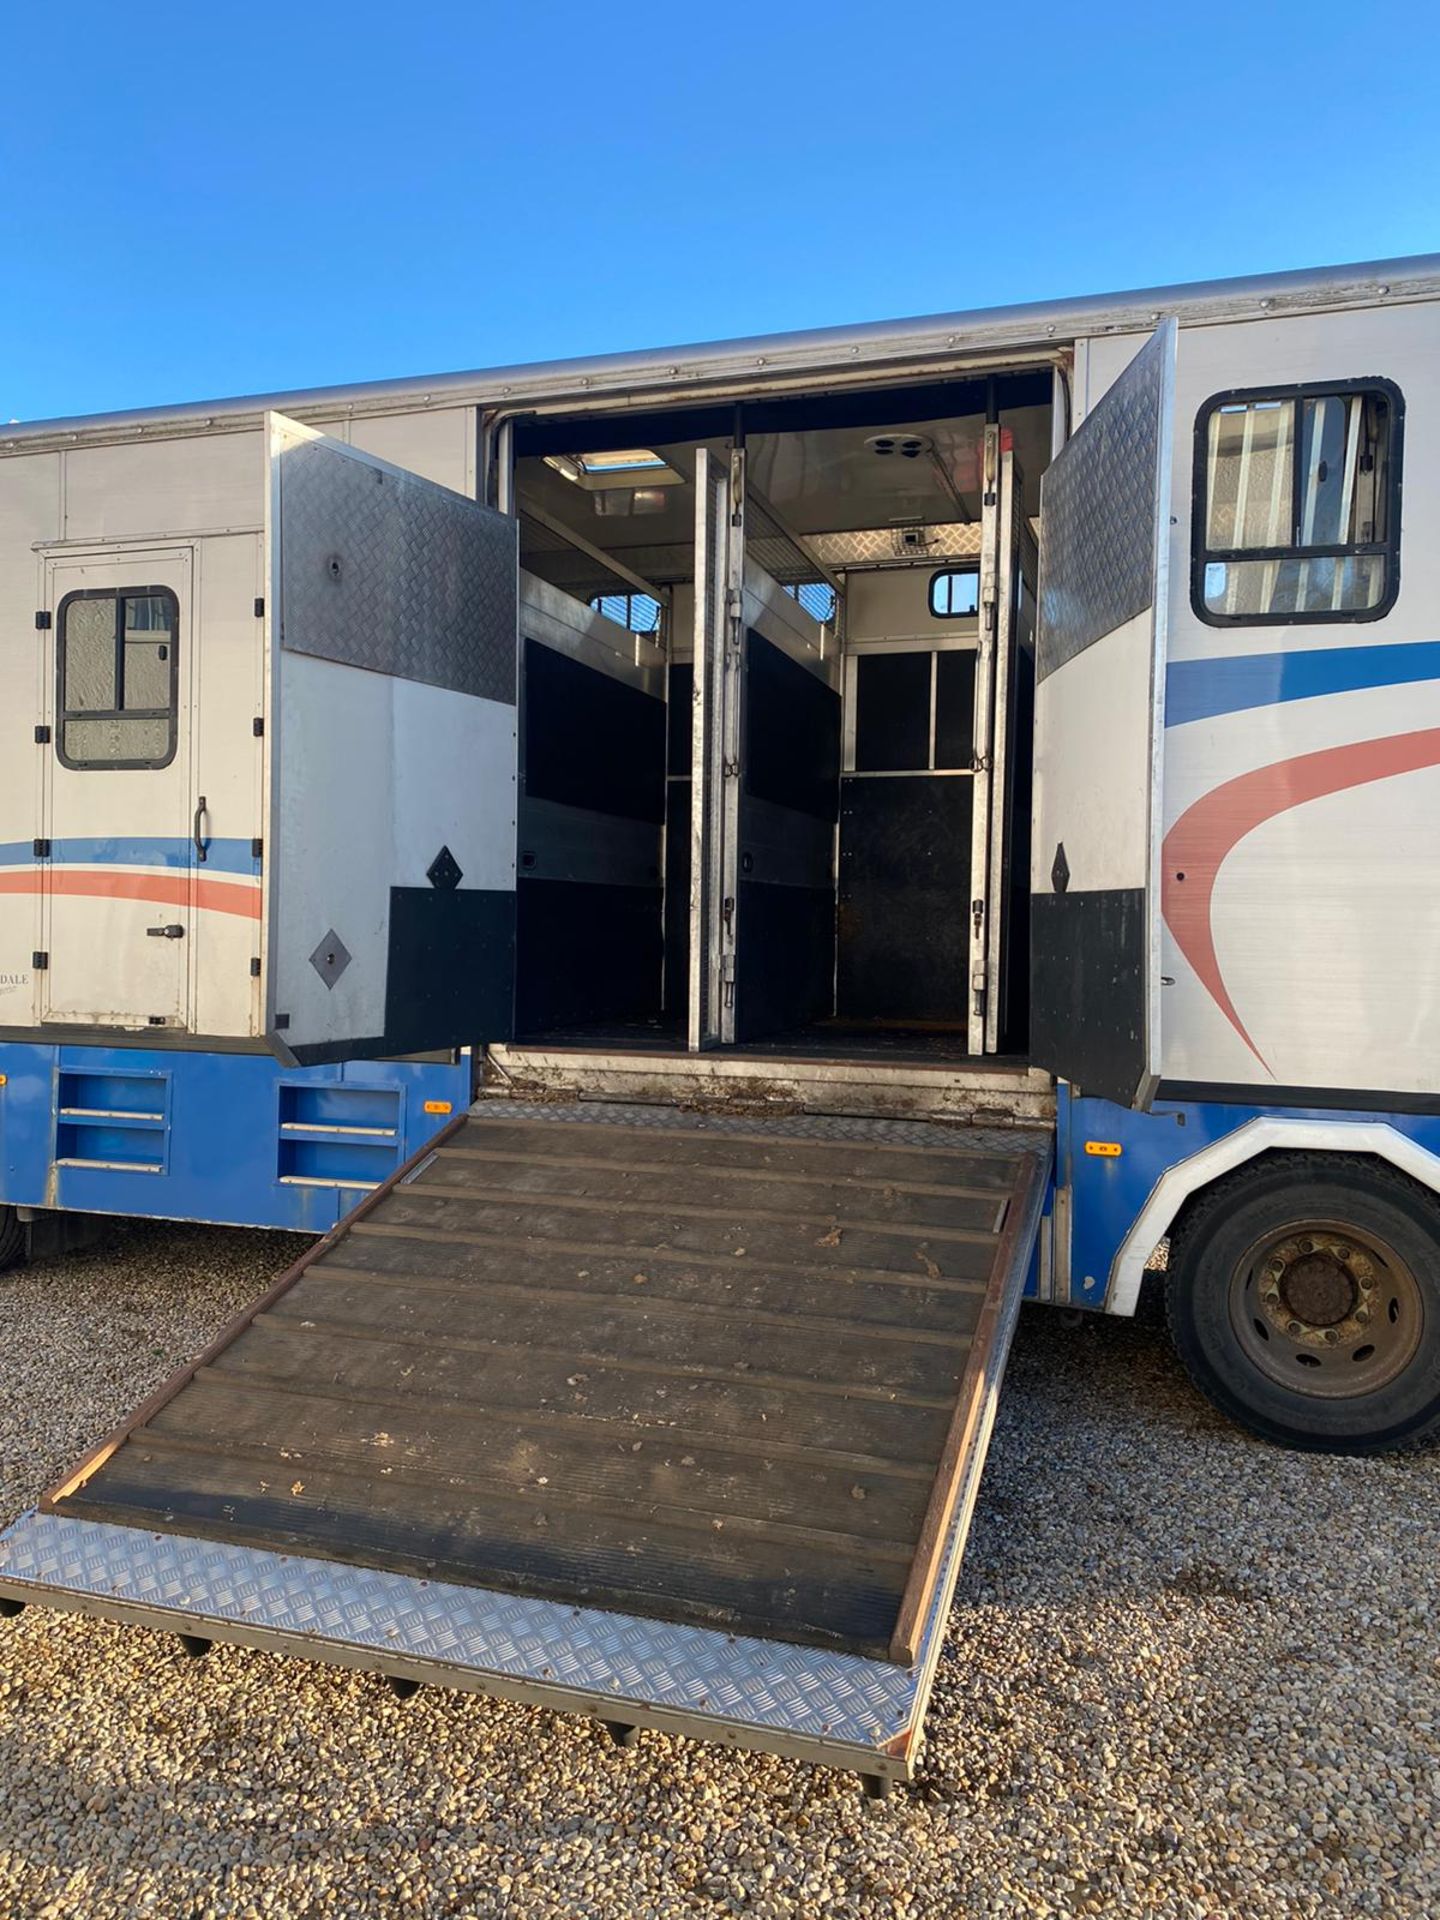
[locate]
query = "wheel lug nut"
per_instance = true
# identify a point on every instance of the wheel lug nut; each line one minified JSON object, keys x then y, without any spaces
{"x":1307,"y":1246}
{"x":1331,"y":1336}
{"x":1294,"y":1327}
{"x":1362,"y":1314}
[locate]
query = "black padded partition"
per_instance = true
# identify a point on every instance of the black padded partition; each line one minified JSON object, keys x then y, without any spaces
{"x":789,"y":803}
{"x":678,"y":789}
{"x":904,"y":897}
{"x":592,"y":802}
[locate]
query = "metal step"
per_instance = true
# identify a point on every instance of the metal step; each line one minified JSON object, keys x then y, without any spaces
{"x":673,"y":1420}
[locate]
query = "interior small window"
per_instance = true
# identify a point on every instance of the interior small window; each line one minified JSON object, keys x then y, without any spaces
{"x":638,"y":612}
{"x":817,"y":597}
{"x":1297,"y":505}
{"x":118,"y":678}
{"x":955,"y":593}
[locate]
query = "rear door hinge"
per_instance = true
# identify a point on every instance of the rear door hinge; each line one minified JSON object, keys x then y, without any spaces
{"x":40,"y":961}
{"x":257,"y":849}
{"x":42,"y":736}
{"x":42,"y":620}
{"x":41,"y":849}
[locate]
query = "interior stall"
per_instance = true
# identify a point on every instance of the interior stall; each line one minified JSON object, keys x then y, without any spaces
{"x":794,"y":642}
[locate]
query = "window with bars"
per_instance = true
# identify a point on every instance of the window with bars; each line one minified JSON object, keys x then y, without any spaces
{"x":118,"y":679}
{"x":1297,"y":505}
{"x":817,"y":597}
{"x":638,"y":612}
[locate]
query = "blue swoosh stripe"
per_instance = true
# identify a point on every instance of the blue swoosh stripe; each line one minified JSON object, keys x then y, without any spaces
{"x":1201,"y":689}
{"x":146,"y":850}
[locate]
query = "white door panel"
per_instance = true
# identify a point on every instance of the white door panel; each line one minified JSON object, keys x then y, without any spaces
{"x":117,"y":868}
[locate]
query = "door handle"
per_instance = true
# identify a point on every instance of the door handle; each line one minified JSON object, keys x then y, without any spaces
{"x":202,"y":844}
{"x":173,"y":932}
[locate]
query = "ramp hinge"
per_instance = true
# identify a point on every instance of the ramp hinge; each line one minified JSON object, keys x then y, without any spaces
{"x":42,"y":736}
{"x":255,"y":967}
{"x":257,"y":727}
{"x":730,"y":768}
{"x":40,"y":961}
{"x":980,"y":763}
{"x":42,"y":620}
{"x":41,"y":849}
{"x":257,"y":849}
{"x":259,"y":607}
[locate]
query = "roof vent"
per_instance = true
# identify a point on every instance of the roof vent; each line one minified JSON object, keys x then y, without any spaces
{"x":901,"y":446}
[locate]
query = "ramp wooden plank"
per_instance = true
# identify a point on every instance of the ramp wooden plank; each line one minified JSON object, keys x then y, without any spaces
{"x":716,"y":1376}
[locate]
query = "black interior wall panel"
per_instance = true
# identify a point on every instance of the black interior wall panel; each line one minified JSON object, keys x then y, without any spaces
{"x":677,"y":898}
{"x":954,"y":709}
{"x":791,"y":732}
{"x":586,"y":953}
{"x":681,"y":717}
{"x":785,"y":957}
{"x":590,"y":740}
{"x":904,"y":905}
{"x":892,"y":712}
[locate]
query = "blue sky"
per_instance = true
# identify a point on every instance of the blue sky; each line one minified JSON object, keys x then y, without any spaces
{"x":201,"y":200}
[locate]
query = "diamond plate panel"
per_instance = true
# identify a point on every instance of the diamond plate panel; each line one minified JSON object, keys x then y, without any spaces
{"x":1000,"y":1143}
{"x":383,"y":570}
{"x":1098,"y":503}
{"x":615,"y":1660}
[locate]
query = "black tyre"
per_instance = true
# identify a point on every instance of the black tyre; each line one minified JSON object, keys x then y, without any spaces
{"x":12,"y":1239}
{"x":1303,"y":1295}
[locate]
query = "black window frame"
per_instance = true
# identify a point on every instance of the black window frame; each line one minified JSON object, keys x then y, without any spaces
{"x":950,"y":573}
{"x":63,"y":712}
{"x":1388,"y":549}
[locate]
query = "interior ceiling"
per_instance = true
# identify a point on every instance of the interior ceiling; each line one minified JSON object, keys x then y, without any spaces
{"x":825,"y":480}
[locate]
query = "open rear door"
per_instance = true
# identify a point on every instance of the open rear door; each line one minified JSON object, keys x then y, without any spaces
{"x":390,"y":856}
{"x":1100,"y":670}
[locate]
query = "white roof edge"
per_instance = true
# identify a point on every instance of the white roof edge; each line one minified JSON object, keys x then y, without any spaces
{"x":1033,"y":324}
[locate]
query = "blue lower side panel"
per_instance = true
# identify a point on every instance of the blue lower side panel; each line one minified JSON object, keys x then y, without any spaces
{"x":1112,"y":1159}
{"x":231,"y":1138}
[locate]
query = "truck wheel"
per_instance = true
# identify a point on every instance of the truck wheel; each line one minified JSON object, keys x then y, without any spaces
{"x":1303,"y":1296}
{"x":12,"y":1239}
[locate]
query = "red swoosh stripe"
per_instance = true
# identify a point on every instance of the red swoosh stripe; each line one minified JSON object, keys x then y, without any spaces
{"x":170,"y":890}
{"x":1204,"y":836}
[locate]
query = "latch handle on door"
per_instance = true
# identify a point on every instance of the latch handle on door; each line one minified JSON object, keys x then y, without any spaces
{"x":202,"y":843}
{"x":173,"y":932}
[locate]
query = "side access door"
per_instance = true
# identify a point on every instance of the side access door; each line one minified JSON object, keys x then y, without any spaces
{"x":390,"y":865}
{"x":116,"y":866}
{"x":1100,"y":676}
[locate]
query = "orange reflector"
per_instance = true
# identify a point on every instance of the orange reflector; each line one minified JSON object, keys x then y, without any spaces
{"x":1104,"y":1149}
{"x":444,"y":1106}
{"x":4,"y":1079}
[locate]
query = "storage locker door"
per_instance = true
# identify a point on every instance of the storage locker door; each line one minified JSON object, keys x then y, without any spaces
{"x":391,"y":626}
{"x":1100,"y":671}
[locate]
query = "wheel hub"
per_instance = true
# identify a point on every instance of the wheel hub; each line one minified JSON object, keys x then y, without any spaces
{"x":1323,"y":1311}
{"x":1319,"y":1289}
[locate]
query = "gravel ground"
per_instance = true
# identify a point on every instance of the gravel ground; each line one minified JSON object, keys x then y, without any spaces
{"x":1187,"y":1675}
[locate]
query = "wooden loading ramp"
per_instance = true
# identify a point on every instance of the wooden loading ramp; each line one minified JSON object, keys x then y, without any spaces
{"x":675,"y":1420}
